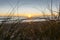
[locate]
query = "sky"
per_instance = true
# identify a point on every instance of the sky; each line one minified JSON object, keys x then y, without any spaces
{"x":25,"y":7}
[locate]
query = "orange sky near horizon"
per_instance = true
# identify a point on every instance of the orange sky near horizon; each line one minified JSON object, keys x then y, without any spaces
{"x":26,"y":14}
{"x":26,"y":11}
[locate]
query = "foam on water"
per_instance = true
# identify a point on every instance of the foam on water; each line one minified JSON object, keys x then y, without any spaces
{"x":34,"y":20}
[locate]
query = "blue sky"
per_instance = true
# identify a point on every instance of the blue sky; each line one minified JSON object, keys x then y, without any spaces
{"x":5,"y":5}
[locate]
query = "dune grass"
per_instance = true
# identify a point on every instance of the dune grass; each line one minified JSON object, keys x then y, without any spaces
{"x":48,"y":30}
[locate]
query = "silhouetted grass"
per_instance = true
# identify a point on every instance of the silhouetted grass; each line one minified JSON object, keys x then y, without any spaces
{"x":48,"y":30}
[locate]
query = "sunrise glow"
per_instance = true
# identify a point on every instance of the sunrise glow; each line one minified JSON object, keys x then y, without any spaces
{"x":29,"y":15}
